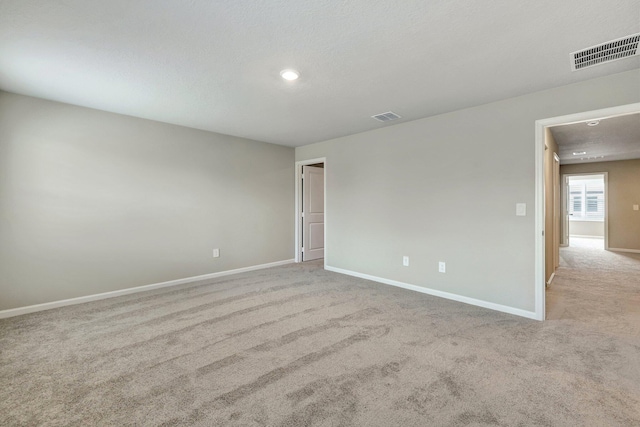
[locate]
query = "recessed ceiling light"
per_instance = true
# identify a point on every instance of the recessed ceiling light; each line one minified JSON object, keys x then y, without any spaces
{"x":593,"y":123}
{"x":290,"y":74}
{"x":579,"y":153}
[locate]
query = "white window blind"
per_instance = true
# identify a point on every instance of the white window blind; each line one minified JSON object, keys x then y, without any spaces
{"x":594,"y":206}
{"x":586,"y":200}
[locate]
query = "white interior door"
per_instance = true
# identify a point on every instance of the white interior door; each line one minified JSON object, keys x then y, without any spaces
{"x":312,"y":213}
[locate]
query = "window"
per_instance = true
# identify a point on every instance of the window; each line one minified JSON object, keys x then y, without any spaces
{"x":586,"y":200}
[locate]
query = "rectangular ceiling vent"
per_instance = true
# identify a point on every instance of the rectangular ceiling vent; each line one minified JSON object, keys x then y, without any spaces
{"x":605,"y":52}
{"x":386,"y":117}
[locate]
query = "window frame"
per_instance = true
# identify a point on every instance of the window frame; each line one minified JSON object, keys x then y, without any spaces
{"x":579,"y":193}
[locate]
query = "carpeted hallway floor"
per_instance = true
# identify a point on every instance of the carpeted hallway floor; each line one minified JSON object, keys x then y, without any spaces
{"x":597,"y":287}
{"x":299,"y":346}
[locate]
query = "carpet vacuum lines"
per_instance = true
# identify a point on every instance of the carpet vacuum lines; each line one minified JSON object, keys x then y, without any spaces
{"x":171,"y":383}
{"x":186,"y":295}
{"x":278,"y":374}
{"x":175,"y":334}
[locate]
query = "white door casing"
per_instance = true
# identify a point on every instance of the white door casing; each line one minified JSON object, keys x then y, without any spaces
{"x":565,"y":212}
{"x":556,"y":211}
{"x":566,"y":202}
{"x":312,"y":213}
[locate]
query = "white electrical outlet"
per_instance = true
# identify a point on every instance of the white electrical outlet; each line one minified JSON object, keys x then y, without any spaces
{"x":405,"y":261}
{"x":216,"y":253}
{"x":442,"y":267}
{"x":521,"y":209}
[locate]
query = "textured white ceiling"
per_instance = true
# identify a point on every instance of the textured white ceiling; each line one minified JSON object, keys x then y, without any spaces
{"x":615,"y":138}
{"x":215,"y":65}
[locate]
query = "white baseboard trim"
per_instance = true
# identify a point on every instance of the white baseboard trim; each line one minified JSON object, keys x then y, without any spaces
{"x":441,"y":294}
{"x":79,"y":300}
{"x":586,"y":236}
{"x":633,"y":251}
{"x":551,"y":278}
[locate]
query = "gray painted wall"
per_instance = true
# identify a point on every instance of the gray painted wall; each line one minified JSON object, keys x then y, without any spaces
{"x":445,"y":188}
{"x":92,"y":202}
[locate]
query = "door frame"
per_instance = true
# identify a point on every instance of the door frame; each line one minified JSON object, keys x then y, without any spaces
{"x":556,"y":213}
{"x":298,"y":206}
{"x":565,"y":178}
{"x":540,"y":125}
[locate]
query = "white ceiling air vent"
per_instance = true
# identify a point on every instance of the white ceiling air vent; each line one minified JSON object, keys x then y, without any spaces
{"x":386,"y":117}
{"x":606,"y":52}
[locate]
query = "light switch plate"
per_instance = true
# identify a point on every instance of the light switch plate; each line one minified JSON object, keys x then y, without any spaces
{"x":405,"y":261}
{"x":635,"y":207}
{"x":521,"y":209}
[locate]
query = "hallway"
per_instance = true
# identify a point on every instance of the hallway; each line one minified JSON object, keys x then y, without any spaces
{"x":597,"y":288}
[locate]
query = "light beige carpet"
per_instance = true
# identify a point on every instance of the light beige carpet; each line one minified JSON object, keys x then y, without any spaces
{"x":299,"y":346}
{"x":597,"y":287}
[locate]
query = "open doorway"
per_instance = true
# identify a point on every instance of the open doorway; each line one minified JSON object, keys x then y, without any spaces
{"x":310,"y":210}
{"x":620,"y":144}
{"x":585,"y":207}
